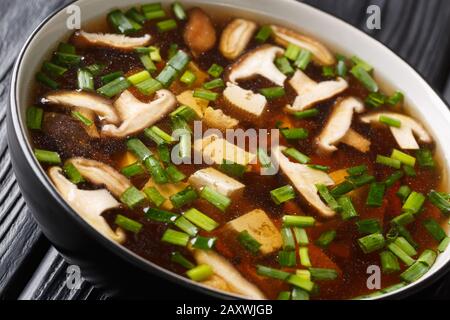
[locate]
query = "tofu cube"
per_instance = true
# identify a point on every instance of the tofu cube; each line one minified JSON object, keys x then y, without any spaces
{"x":245,"y":100}
{"x":216,"y":180}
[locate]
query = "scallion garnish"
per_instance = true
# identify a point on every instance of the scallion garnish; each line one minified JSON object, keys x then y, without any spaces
{"x":396,"y":176}
{"x":186,"y":226}
{"x":128,"y":224}
{"x":273,"y":92}
{"x":348,"y":210}
{"x":175,"y":237}
{"x":328,"y":71}
{"x":167,"y":75}
{"x":425,"y":158}
{"x":205,"y":94}
{"x":95,"y":68}
{"x":403,"y":219}
{"x":166,"y":25}
{"x":214,"y":84}
{"x":149,"y":86}
{"x":303,"y":253}
{"x":217,"y":199}
{"x":341,"y":189}
{"x":263,"y":34}
{"x":158,"y":135}
{"x":282,"y":194}
{"x":64,"y":47}
{"x":409,"y":171}
{"x":298,"y":221}
{"x":132,"y":197}
{"x":107,"y":78}
{"x":177,"y":257}
{"x":328,"y":197}
{"x":46,"y":156}
{"x":67,"y":59}
{"x":301,"y":236}
{"x":322,"y":274}
{"x":376,"y":99}
{"x":53,"y":69}
{"x":389,"y":162}
{"x":360,"y":62}
{"x":163,"y":153}
{"x":326,"y":238}
{"x":400,"y":254}
{"x":389,"y":262}
{"x":174,"y":174}
{"x":284,"y":295}
{"x":151,"y":13}
{"x":263,"y":158}
{"x":391,"y":122}
{"x":296,"y":155}
{"x":406,"y":247}
{"x":215,"y":70}
{"x":154,"y":196}
{"x":341,"y":68}
{"x":294,"y":133}
{"x":179,"y":61}
{"x":358,"y":170}
{"x":188,"y":77}
{"x":135,"y":15}
{"x":414,"y":202}
{"x":46,"y":80}
{"x":396,"y":98}
{"x":444,"y":244}
{"x":288,"y":238}
{"x":34,"y":118}
{"x":138,"y":148}
{"x":284,"y":65}
{"x":361,"y":180}
{"x":85,"y":80}
{"x":200,"y":273}
{"x":434,"y":229}
{"x":403,"y":192}
{"x":440,"y":200}
{"x":371,"y":242}
{"x":114,"y":87}
{"x":301,"y":283}
{"x":160,"y":215}
{"x":292,"y":51}
{"x":185,"y":112}
{"x":139,"y":77}
{"x":403,"y":157}
{"x":365,"y":78}
{"x":183,"y":197}
{"x":178,"y":11}
{"x":248,"y":242}
{"x":79,"y":116}
{"x":414,"y":272}
{"x":201,"y":220}
{"x":232,"y":169}
{"x":376,"y":194}
{"x":120,"y":22}
{"x":287,"y":258}
{"x":157,"y":171}
{"x":272,"y":273}
{"x":203,"y":243}
{"x":319,"y":167}
{"x":369,"y":226}
{"x":306,"y":113}
{"x":72,"y":173}
{"x":132,"y":170}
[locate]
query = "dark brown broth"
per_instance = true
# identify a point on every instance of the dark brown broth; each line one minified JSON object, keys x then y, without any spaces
{"x":65,"y":135}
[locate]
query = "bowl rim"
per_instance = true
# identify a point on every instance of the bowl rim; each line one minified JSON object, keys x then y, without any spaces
{"x":129,"y":256}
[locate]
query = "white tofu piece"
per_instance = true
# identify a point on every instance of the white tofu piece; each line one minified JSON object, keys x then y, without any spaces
{"x":261,"y":228}
{"x":216,"y":149}
{"x":216,"y":180}
{"x":245,"y":100}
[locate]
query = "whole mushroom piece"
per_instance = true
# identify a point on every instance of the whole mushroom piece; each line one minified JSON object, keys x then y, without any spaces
{"x":199,"y":33}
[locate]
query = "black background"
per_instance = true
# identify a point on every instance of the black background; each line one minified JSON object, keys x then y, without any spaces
{"x":30,"y":268}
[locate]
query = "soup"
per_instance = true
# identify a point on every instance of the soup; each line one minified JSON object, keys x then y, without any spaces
{"x":247,"y":157}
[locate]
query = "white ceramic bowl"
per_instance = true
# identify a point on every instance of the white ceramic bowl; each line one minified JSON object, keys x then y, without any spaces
{"x":391,"y":70}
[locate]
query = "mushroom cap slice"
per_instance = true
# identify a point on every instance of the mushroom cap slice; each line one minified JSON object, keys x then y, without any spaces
{"x":85,"y":100}
{"x":338,"y":124}
{"x":89,"y":204}
{"x":245,"y":100}
{"x":118,"y":41}
{"x":235,"y":37}
{"x":99,"y":173}
{"x":199,"y":33}
{"x":405,"y":134}
{"x":224,"y":269}
{"x":310,"y":92}
{"x":137,"y":115}
{"x":258,"y":62}
{"x":320,"y":53}
{"x":357,"y":141}
{"x":305,"y":179}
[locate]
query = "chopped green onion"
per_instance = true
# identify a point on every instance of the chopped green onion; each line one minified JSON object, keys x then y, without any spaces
{"x":67,"y":59}
{"x":301,"y":236}
{"x":263,"y":34}
{"x":292,"y":52}
{"x":174,"y":174}
{"x":409,"y":171}
{"x":214,"y":84}
{"x":359,"y":181}
{"x":440,"y":201}
{"x":85,"y":80}
{"x":425,"y":158}
{"x":47,"y":81}
{"x":341,"y":68}
{"x":357,"y":171}
{"x":200,"y":273}
{"x":155,"y":168}
{"x":186,"y":113}
{"x":149,"y":86}
{"x":46,"y":156}
{"x":296,"y":155}
{"x":205,"y":94}
{"x":376,"y":194}
{"x":371,"y":242}
{"x":406,"y":247}
{"x":186,"y":226}
{"x":348,"y":210}
{"x":164,"y":153}
{"x":173,"y":48}
{"x":135,"y":15}
{"x":299,"y":294}
{"x":158,"y":135}
{"x":111,"y":76}
{"x":66,"y":48}
{"x":264,"y":158}
{"x":301,"y":283}
{"x":397,"y":175}
{"x":215,"y":70}
{"x":395,"y":98}
{"x":34,"y":118}
{"x":287,"y":258}
{"x":95,"y":68}
{"x":391,"y":122}
{"x":400,"y":254}
{"x":248,"y":242}
{"x":147,"y":62}
{"x":319,"y":167}
{"x":177,"y":257}
{"x":132,"y":170}
{"x":128,"y":224}
{"x":183,"y":197}
{"x":53,"y":69}
{"x":167,"y":75}
{"x":414,"y":202}
{"x":414,"y":272}
{"x":306,"y":113}
{"x":328,"y":71}
{"x":179,"y":61}
{"x":120,"y":22}
{"x":403,"y":192}
{"x":132,"y":197}
{"x":273,"y":92}
{"x":178,"y":11}
{"x":389,"y":262}
{"x":175,"y":237}
{"x":428,"y":257}
{"x":304,"y":257}
{"x":153,"y":11}
{"x":434,"y":229}
{"x":284,"y":295}
{"x":403,"y":219}
{"x":160,"y":215}
{"x":282,"y":194}
{"x":288,"y":239}
{"x":200,"y":220}
{"x":72,"y":173}
{"x":188,"y":77}
{"x":166,"y":25}
{"x":217,"y":199}
{"x":79,"y":116}
{"x":155,"y":6}
{"x":402,"y":231}
{"x":444,"y":244}
{"x":155,"y":54}
{"x":376,"y":99}
{"x":328,"y":198}
{"x":272,"y":273}
{"x":114,"y":87}
{"x":203,"y":243}
{"x":341,"y":189}
{"x":138,"y":148}
{"x":403,"y":157}
{"x":298,"y":221}
{"x":369,"y":226}
{"x":154,"y":196}
{"x":284,"y":66}
{"x":394,"y":163}
{"x":326,"y":238}
{"x":363,"y":64}
{"x":232,"y":169}
{"x":323,"y":274}
{"x":365,"y":78}
{"x":294,"y":133}
{"x":139,"y":77}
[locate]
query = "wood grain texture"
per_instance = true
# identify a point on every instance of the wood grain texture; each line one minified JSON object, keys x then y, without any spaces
{"x":31,"y":269}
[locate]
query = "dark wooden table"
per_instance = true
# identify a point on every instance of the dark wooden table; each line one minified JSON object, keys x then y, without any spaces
{"x":30,"y":268}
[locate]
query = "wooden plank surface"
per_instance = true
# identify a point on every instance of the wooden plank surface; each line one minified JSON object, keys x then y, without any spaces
{"x":31,"y":269}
